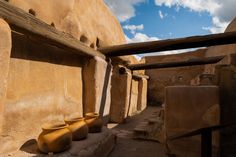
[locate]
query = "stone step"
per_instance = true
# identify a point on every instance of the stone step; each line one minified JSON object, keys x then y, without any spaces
{"x":154,"y":120}
{"x":150,"y":129}
{"x":96,"y":144}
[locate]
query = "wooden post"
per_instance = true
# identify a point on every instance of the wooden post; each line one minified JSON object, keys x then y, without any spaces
{"x":170,"y":44}
{"x":206,"y":143}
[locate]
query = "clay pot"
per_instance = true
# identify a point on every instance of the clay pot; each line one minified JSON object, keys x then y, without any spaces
{"x":94,"y":122}
{"x":78,"y":128}
{"x":54,"y":138}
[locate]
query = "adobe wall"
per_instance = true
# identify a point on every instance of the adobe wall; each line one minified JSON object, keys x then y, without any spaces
{"x":161,"y":78}
{"x":43,"y":85}
{"x":40,"y":83}
{"x":5,"y":51}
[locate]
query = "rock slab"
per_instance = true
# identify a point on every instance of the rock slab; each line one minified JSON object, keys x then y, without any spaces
{"x":190,"y":108}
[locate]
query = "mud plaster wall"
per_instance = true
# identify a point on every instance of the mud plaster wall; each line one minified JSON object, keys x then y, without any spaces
{"x":161,"y":78}
{"x":90,"y":18}
{"x":43,"y":85}
{"x":5,"y":51}
{"x":87,"y":20}
{"x":40,"y":83}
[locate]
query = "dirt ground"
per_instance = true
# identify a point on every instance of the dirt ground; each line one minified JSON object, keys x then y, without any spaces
{"x":128,"y":147}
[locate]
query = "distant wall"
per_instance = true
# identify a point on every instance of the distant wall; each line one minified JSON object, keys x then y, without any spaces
{"x":160,"y":78}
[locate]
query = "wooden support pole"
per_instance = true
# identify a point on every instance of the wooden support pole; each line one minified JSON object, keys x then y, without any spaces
{"x":206,"y":137}
{"x":190,"y":62}
{"x":170,"y":44}
{"x":206,"y":143}
{"x":28,"y":24}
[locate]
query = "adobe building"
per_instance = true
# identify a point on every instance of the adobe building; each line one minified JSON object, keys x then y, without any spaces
{"x":54,"y":63}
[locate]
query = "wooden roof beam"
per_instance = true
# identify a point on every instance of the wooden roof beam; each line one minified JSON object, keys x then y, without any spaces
{"x":190,"y":62}
{"x":28,"y":24}
{"x":170,"y":44}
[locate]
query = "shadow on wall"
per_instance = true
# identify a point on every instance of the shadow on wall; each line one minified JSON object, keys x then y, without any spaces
{"x":27,"y":49}
{"x":30,"y":147}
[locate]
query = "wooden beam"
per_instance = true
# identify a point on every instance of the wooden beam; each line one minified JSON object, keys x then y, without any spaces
{"x":26,"y":23}
{"x":170,"y":44}
{"x":140,"y":76}
{"x":190,"y":62}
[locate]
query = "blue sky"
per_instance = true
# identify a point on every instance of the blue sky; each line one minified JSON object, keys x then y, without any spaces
{"x":174,"y":23}
{"x":146,"y":20}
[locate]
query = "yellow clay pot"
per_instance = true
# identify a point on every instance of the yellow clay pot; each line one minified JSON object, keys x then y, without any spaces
{"x":54,"y":138}
{"x":78,"y":128}
{"x":94,"y":122}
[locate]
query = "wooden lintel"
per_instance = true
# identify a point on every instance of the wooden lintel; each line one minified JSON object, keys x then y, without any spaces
{"x":140,"y":76}
{"x":170,"y":44}
{"x":190,"y":62}
{"x":28,"y":24}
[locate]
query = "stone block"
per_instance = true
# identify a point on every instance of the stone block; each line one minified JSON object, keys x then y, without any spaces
{"x":189,"y":108}
{"x":120,"y":94}
{"x":133,"y":106}
{"x":227,"y":84}
{"x":97,"y":85}
{"x":142,"y":94}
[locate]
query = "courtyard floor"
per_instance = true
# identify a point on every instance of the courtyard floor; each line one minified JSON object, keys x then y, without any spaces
{"x":128,"y":147}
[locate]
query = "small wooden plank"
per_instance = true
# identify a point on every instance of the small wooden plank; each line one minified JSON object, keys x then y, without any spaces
{"x":170,"y":44}
{"x":26,"y":23}
{"x":140,"y":76}
{"x":191,"y":62}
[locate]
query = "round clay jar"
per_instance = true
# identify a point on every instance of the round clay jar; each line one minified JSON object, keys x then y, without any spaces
{"x":78,"y":128}
{"x":54,"y":138}
{"x":94,"y":122}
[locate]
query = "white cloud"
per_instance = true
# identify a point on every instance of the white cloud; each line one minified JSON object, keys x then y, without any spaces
{"x":194,"y":5}
{"x":161,"y":14}
{"x":222,"y":11}
{"x":123,"y":9}
{"x":134,"y":28}
{"x":140,"y":37}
